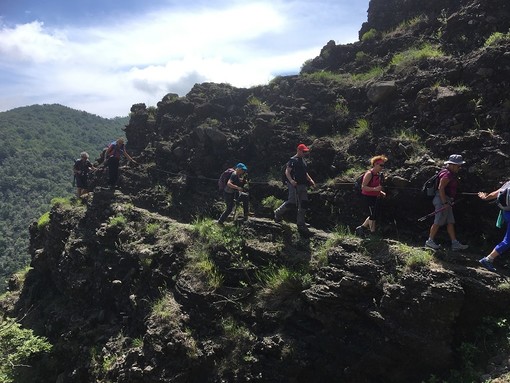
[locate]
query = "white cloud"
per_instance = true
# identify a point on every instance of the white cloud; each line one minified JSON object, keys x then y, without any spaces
{"x":105,"y":69}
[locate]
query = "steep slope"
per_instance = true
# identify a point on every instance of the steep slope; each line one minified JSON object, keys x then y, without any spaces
{"x":39,"y":145}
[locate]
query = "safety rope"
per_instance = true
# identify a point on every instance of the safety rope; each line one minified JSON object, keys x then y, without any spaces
{"x":318,"y":185}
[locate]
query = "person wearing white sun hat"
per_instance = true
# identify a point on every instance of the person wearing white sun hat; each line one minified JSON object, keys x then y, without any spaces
{"x":448,"y":183}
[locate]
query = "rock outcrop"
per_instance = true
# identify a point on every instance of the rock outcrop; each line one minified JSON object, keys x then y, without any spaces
{"x":139,"y":285}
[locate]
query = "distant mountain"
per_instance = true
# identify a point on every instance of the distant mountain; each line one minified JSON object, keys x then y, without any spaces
{"x":38,"y":145}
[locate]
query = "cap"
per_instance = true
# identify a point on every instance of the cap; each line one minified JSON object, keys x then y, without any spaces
{"x":240,"y":165}
{"x":303,"y":148}
{"x":455,"y":159}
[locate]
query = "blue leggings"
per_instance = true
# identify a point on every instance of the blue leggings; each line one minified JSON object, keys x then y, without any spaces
{"x":504,"y":245}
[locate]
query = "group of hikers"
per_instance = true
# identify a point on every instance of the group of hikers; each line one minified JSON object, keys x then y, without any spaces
{"x":233,"y":181}
{"x":110,"y":159}
{"x":298,"y":180}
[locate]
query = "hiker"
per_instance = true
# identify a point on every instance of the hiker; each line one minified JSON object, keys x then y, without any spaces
{"x":504,"y":245}
{"x":233,"y":191}
{"x":371,"y":191}
{"x":81,"y":169}
{"x":298,"y":180}
{"x":115,"y":151}
{"x":448,"y":183}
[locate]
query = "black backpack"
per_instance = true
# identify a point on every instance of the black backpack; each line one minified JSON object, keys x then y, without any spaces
{"x":359,"y":182}
{"x":428,"y":190}
{"x":284,"y":169}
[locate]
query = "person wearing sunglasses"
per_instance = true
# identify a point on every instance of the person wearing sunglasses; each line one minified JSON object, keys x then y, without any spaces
{"x":445,"y":195}
{"x":371,"y":191}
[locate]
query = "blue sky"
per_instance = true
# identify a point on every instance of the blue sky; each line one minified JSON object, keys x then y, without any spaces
{"x":104,"y":56}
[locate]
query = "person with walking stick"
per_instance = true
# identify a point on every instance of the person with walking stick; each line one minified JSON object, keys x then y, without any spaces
{"x":443,"y":203}
{"x":298,"y":180}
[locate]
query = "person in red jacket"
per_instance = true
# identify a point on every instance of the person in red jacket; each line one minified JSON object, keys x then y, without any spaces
{"x":371,"y":190}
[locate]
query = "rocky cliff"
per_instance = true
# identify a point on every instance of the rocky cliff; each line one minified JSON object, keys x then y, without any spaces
{"x":139,"y":285}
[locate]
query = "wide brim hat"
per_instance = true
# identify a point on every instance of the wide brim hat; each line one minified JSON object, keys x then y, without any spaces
{"x":455,"y":159}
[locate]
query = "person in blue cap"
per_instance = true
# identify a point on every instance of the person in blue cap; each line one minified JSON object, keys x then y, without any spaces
{"x":234,"y":191}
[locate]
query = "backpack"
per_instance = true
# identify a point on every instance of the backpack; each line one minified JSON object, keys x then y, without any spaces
{"x":359,"y":182}
{"x":224,"y":177}
{"x":428,"y":190}
{"x":284,"y":169}
{"x":503,"y":200}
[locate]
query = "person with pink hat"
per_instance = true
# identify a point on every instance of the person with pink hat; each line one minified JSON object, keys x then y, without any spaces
{"x":297,"y":181}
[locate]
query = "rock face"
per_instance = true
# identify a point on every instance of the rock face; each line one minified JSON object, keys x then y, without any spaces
{"x":131,"y":287}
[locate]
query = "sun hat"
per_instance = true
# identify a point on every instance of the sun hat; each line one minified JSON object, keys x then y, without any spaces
{"x":455,"y":159}
{"x":303,"y":148}
{"x":240,"y":165}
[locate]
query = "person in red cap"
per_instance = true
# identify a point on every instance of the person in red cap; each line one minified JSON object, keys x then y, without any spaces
{"x":298,"y":181}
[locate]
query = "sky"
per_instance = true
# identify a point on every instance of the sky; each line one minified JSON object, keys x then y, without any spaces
{"x":103,"y":56}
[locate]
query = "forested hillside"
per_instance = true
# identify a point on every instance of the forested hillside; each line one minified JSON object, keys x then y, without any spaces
{"x":37,"y":147}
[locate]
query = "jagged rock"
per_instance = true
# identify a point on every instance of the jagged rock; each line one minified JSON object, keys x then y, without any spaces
{"x":381,"y":91}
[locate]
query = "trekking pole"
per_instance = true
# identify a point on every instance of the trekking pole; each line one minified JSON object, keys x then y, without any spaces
{"x":421,"y":219}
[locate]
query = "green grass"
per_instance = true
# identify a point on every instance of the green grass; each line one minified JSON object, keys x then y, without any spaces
{"x":413,"y":55}
{"x":496,"y":38}
{"x":414,"y":257}
{"x":373,"y":73}
{"x":338,"y":235}
{"x":279,"y":279}
{"x":406,"y":135}
{"x":361,"y":127}
{"x":152,"y":228}
{"x":118,"y":221}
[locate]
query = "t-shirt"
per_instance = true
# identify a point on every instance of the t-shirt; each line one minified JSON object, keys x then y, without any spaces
{"x":236,"y":180}
{"x":298,"y":172}
{"x":451,"y":187}
{"x":82,"y":167}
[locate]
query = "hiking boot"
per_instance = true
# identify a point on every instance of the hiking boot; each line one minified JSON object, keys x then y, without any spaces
{"x":487,"y":264}
{"x":431,"y":244}
{"x":458,"y":246}
{"x":360,"y":232}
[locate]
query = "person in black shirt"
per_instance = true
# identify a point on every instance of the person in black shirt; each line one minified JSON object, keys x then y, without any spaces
{"x":81,"y":168}
{"x":233,"y":189}
{"x":298,"y":181}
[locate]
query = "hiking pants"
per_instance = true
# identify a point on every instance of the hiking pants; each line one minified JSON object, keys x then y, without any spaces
{"x":504,"y":245}
{"x":445,"y":216}
{"x":298,"y":196}
{"x":113,"y":170}
{"x":230,"y":199}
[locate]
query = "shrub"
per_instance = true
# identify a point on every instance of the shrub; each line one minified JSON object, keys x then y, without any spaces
{"x":61,"y":201}
{"x":151,"y":229}
{"x":372,"y":34}
{"x":17,"y":347}
{"x":118,"y":221}
{"x":44,"y":220}
{"x":272,"y":202}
